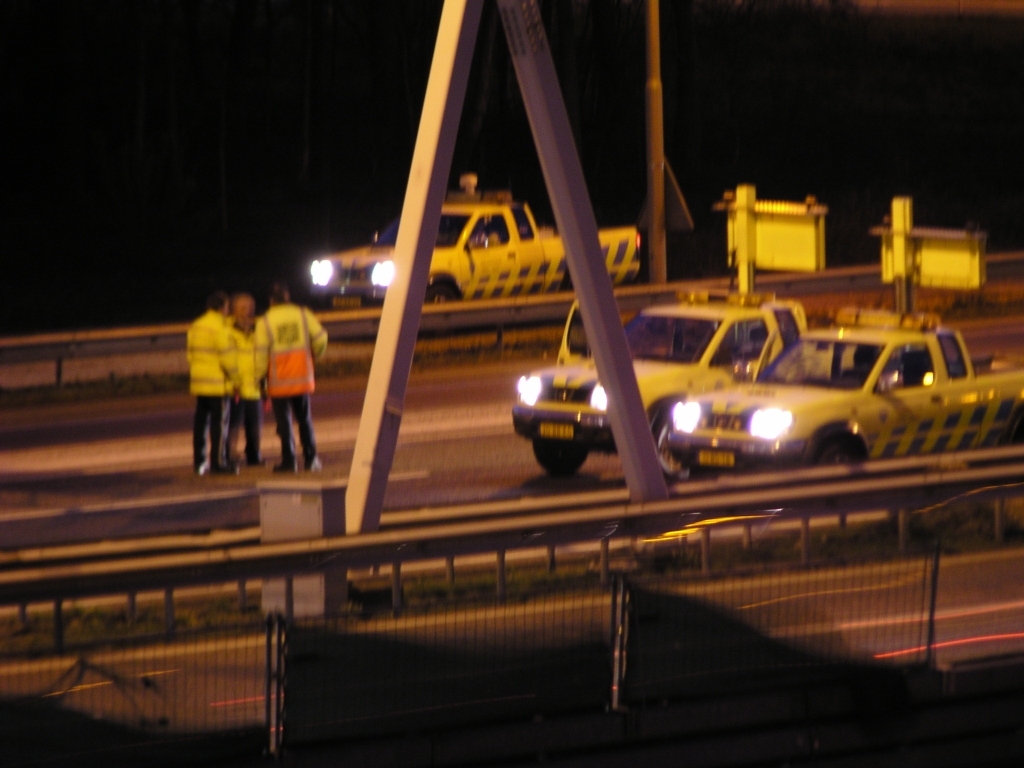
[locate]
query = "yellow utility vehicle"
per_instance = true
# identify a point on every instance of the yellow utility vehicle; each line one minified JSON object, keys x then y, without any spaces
{"x":701,"y":343}
{"x":878,"y":385}
{"x":488,"y":246}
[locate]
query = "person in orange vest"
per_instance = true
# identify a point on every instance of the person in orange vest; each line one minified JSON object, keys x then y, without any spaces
{"x":211,"y":372}
{"x":288,"y":338}
{"x":245,"y":405}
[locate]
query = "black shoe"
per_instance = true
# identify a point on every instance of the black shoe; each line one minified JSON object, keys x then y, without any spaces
{"x":314,"y":464}
{"x":201,"y":469}
{"x":284,"y":466}
{"x":224,"y":469}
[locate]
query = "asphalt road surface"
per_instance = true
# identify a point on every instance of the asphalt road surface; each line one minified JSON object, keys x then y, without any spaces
{"x":113,"y":469}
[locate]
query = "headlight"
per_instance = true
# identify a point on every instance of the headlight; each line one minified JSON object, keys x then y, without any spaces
{"x":321,"y":272}
{"x":770,"y":423}
{"x":686,"y":417}
{"x":529,"y":389}
{"x":599,"y":398}
{"x":383,"y":273}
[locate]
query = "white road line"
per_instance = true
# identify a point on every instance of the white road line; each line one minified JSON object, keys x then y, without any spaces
{"x":175,"y":450}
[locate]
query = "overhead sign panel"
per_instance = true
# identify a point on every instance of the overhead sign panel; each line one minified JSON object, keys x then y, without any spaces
{"x":776,"y":235}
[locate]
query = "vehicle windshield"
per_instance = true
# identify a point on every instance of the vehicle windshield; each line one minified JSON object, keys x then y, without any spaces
{"x":675,"y":339}
{"x":448,"y":231}
{"x":832,"y":364}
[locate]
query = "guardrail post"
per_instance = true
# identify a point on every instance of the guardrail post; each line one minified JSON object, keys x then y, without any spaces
{"x":604,"y":562}
{"x":903,"y":529}
{"x":748,"y":529}
{"x":551,"y":559}
{"x":58,"y":625}
{"x":930,"y":652}
{"x":449,"y":570}
{"x":618,"y":639}
{"x":805,"y":539}
{"x":705,"y":550}
{"x":132,"y":610}
{"x":396,"y":588}
{"x":998,"y":515}
{"x":23,"y":615}
{"x":242,"y":602}
{"x":501,"y":575}
{"x":169,"y":612}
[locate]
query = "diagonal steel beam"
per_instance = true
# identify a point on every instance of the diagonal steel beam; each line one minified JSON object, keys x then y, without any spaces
{"x":403,"y":304}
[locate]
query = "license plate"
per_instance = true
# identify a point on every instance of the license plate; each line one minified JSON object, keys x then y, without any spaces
{"x":555,"y":431}
{"x":716,"y":459}
{"x":347,"y":302}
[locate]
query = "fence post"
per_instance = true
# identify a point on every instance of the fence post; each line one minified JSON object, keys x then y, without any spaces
{"x":929,"y":657}
{"x":449,"y":570}
{"x":705,"y":550}
{"x":133,"y":608}
{"x":903,"y":528}
{"x":242,"y":602}
{"x":842,"y":519}
{"x":748,"y":535}
{"x":279,"y":684}
{"x":396,"y":588}
{"x":619,"y":619}
{"x":551,"y":559}
{"x":58,"y":625}
{"x":289,"y":598}
{"x":169,"y":612}
{"x":270,"y":711}
{"x":805,"y":539}
{"x":23,"y":615}
{"x":501,"y":575}
{"x":604,"y":562}
{"x":998,"y":519}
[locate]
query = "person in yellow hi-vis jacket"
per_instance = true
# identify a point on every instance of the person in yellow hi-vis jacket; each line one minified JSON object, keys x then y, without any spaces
{"x":288,"y":338}
{"x":245,"y":405}
{"x":211,"y":372}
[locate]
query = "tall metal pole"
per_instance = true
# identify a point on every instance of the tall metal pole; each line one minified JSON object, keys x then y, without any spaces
{"x":384,"y":401}
{"x":656,"y":246}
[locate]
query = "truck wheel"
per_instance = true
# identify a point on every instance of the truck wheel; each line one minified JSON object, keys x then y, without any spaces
{"x":671,"y":467}
{"x":438,"y":293}
{"x":839,"y":452}
{"x":559,"y":458}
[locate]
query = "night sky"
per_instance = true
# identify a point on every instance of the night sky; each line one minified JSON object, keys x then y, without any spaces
{"x":157,"y":149}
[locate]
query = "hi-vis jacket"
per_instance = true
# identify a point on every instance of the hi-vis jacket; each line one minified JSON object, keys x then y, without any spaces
{"x":243,"y":348}
{"x":288,"y":337}
{"x":211,"y":364}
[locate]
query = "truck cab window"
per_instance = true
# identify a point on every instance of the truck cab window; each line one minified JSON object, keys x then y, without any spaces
{"x":953,"y":355}
{"x":489,"y":232}
{"x":522,"y":222}
{"x":908,"y":366}
{"x":742,"y":343}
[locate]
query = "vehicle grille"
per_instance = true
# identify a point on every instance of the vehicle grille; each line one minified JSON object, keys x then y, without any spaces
{"x":566,"y":394}
{"x":350,"y":275}
{"x":726,"y":422}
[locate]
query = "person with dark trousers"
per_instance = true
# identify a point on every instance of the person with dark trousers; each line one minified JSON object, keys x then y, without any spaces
{"x":211,"y":371}
{"x":245,"y":404}
{"x":288,"y":338}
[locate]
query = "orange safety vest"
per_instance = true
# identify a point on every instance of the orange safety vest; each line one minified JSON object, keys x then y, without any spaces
{"x":290,"y":360}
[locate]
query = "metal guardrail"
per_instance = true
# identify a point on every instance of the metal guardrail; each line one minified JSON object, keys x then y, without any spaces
{"x":359,"y":324}
{"x":363,"y":323}
{"x":899,"y":483}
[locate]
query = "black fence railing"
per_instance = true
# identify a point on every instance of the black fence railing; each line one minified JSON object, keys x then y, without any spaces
{"x":639,"y":639}
{"x":212,"y":680}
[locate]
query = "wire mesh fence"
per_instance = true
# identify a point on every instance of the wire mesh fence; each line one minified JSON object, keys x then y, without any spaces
{"x":454,"y":664}
{"x":213,"y":680}
{"x":689,"y":632}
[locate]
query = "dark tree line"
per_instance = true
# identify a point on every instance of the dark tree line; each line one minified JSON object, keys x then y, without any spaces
{"x":158,"y":148}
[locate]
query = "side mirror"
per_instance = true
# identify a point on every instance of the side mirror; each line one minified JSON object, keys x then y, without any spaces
{"x":888,"y":381}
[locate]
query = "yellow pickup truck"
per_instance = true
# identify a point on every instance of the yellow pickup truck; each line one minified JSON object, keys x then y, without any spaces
{"x":488,"y":246}
{"x":701,"y":343}
{"x":878,"y":385}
